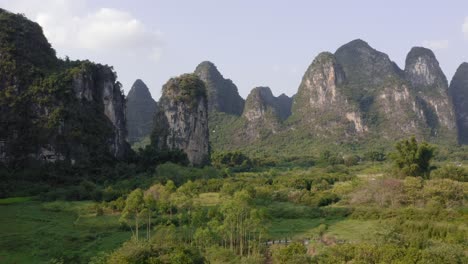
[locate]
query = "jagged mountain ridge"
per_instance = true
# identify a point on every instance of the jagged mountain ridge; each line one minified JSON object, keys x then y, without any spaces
{"x":355,"y":96}
{"x":141,"y":108}
{"x":72,"y":110}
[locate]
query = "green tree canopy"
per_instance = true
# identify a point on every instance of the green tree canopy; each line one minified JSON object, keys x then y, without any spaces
{"x":413,"y":158}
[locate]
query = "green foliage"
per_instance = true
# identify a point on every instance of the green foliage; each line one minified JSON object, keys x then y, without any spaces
{"x":329,"y":158}
{"x":374,"y":155}
{"x":134,"y":209}
{"x":235,"y":160}
{"x":187,"y":89}
{"x":150,"y":157}
{"x":295,"y":253}
{"x":452,"y":172}
{"x":203,"y":214}
{"x":413,"y":158}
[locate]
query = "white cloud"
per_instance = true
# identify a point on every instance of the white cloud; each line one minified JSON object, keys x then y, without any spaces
{"x":436,"y":44}
{"x":465,"y":27}
{"x":73,"y":28}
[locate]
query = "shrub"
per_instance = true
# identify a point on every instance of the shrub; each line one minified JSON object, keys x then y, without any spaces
{"x":451,"y":172}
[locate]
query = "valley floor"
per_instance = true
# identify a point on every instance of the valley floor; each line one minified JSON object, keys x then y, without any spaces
{"x":338,"y":214}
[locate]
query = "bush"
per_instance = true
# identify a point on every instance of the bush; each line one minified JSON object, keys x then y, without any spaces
{"x":295,"y":253}
{"x":452,"y":172}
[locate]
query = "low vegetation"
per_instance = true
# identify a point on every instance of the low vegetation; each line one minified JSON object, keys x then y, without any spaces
{"x":243,"y":210}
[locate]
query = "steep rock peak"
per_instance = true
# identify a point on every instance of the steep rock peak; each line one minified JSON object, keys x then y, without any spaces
{"x":365,"y":66}
{"x":222,"y":93}
{"x":139,"y":90}
{"x":258,"y":102}
{"x":261,"y":102}
{"x":459,"y":93}
{"x":319,"y":84}
{"x":140,"y":110}
{"x":207,"y":71}
{"x":422,"y":69}
{"x":182,"y":119}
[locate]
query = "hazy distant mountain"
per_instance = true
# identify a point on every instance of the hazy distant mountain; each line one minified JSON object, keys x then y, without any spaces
{"x":140,"y":111}
{"x":459,"y":93}
{"x":222,"y":93}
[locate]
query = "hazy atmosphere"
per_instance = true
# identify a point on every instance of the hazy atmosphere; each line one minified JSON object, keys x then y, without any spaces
{"x":233,"y":132}
{"x":254,"y":43}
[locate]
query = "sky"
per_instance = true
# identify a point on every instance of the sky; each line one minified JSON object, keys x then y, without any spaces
{"x":252,"y":42}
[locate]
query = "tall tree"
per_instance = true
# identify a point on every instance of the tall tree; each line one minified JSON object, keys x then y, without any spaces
{"x":413,"y":158}
{"x":134,"y":208}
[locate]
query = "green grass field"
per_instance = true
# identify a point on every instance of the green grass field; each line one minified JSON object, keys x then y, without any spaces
{"x":34,"y":232}
{"x":340,"y":229}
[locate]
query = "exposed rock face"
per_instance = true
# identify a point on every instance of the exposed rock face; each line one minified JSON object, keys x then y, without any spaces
{"x":222,"y":93}
{"x":359,"y":93}
{"x":141,"y":108}
{"x":100,"y":86}
{"x":51,"y":109}
{"x":459,"y":94}
{"x":264,"y":112}
{"x":364,"y":66}
{"x":284,"y":105}
{"x":320,"y":103}
{"x":423,"y":72}
{"x":410,"y":102}
{"x":182,"y":118}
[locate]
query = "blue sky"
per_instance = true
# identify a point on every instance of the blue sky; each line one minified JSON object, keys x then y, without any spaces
{"x":254,"y":43}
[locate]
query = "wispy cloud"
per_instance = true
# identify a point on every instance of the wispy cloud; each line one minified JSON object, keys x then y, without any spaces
{"x":465,"y":27}
{"x":436,"y":44}
{"x":70,"y":25}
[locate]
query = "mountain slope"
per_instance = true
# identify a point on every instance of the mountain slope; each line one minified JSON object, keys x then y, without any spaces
{"x":459,"y":94}
{"x":52,"y":109}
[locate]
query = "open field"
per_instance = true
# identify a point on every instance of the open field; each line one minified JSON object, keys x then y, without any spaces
{"x":35,"y":232}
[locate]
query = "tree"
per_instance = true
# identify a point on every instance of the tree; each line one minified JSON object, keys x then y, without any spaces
{"x":413,"y":158}
{"x":243,"y":224}
{"x":134,"y":208}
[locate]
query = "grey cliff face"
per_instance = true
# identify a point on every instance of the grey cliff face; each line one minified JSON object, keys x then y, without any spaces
{"x":182,"y":118}
{"x":364,"y":65}
{"x":359,"y":93}
{"x":423,"y":72}
{"x":264,"y":113}
{"x":141,"y":108}
{"x":101,"y":87}
{"x":223,"y":95}
{"x":459,"y":94}
{"x":320,"y":103}
{"x":284,"y":104}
